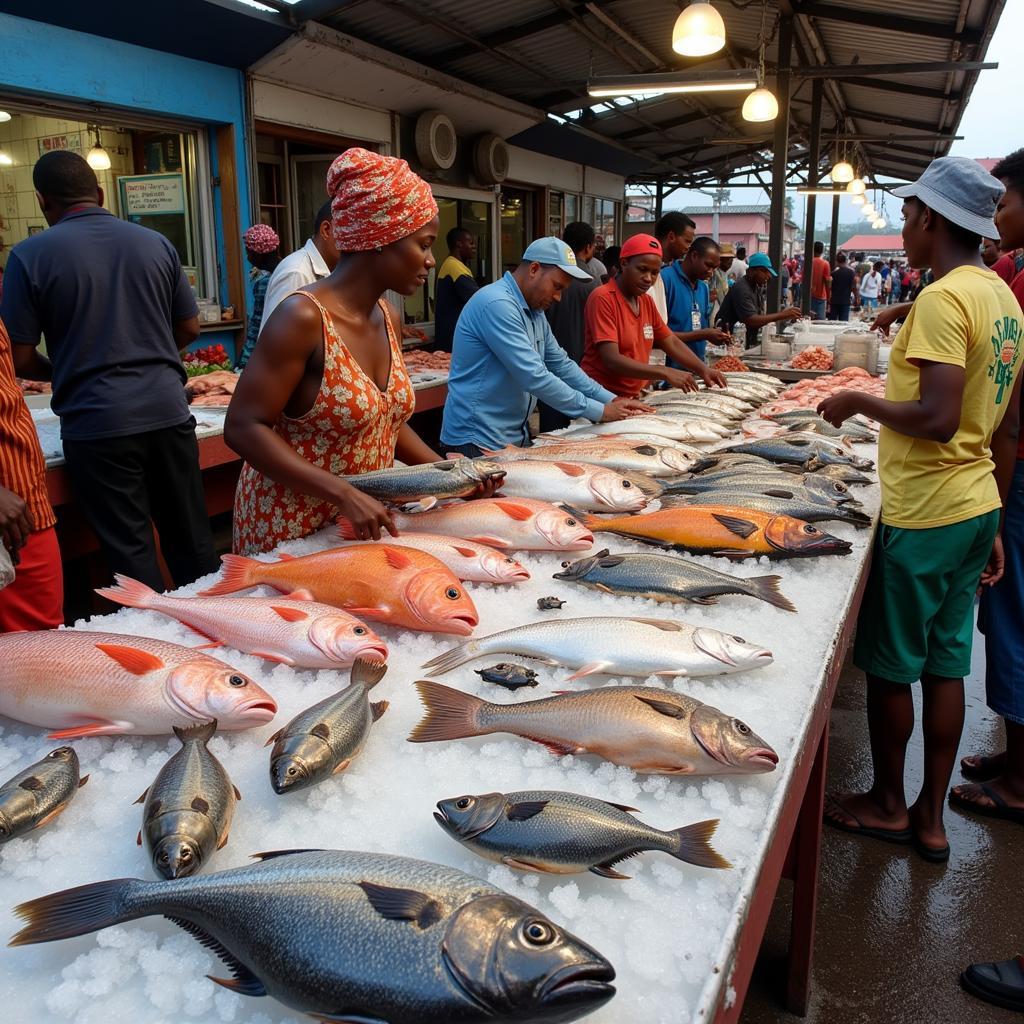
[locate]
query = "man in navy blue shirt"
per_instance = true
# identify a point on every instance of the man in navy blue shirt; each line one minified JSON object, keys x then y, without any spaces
{"x":115,"y":309}
{"x":688,"y":297}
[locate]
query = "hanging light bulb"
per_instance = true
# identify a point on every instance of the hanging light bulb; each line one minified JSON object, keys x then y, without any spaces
{"x":868,"y":210}
{"x":760,"y":105}
{"x":856,"y":187}
{"x":878,"y":223}
{"x":842,"y":172}
{"x":699,"y":30}
{"x":858,"y":200}
{"x":97,"y":157}
{"x":4,"y":116}
{"x":6,"y":160}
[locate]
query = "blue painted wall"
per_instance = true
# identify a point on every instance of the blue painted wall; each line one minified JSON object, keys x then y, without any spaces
{"x":44,"y":59}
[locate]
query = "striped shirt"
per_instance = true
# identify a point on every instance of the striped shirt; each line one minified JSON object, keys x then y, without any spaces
{"x":22,"y":468}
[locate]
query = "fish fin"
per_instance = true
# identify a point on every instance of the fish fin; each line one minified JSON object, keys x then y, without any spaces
{"x":302,"y":594}
{"x":367,"y":613}
{"x":622,"y":807}
{"x":424,"y":504}
{"x":142,"y":799}
{"x":403,"y":904}
{"x":341,"y":766}
{"x":78,"y":911}
{"x":282,"y":557}
{"x":76,"y":732}
{"x":377,"y":709}
{"x":520,"y":513}
{"x":131,"y":593}
{"x":238,"y":795}
{"x":734,"y":524}
{"x":277,"y":735}
{"x":525,"y":810}
{"x":570,"y":468}
{"x":272,"y":854}
{"x":277,"y":659}
{"x":591,"y":668}
{"x":559,"y":749}
{"x":603,"y":588}
{"x":692,"y":844}
{"x":525,"y":865}
{"x":244,"y":981}
{"x":345,"y":529}
{"x":223,"y":842}
{"x":32,"y":783}
{"x":321,"y":730}
{"x":607,"y":561}
{"x":397,"y":558}
{"x":671,"y":673}
{"x":368,"y":672}
{"x":83,"y":780}
{"x":200,"y":805}
{"x":56,"y":812}
{"x":290,"y":614}
{"x":452,"y":658}
{"x":607,"y":871}
{"x":767,"y":589}
{"x":132,"y":659}
{"x":244,"y":986}
{"x":491,"y":542}
{"x":663,"y":707}
{"x":343,"y":1018}
{"x":212,"y":646}
{"x":201,"y":731}
{"x":237,"y":573}
{"x":450,"y":714}
{"x":465,"y":552}
{"x":736,"y":556}
{"x":777,"y":492}
{"x":667,"y":625}
{"x":138,"y":838}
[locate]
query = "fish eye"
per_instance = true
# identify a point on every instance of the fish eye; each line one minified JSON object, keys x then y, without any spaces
{"x":570,"y":522}
{"x":741,"y":727}
{"x":464,"y":803}
{"x":538,"y":933}
{"x":293,"y":771}
{"x":237,"y":681}
{"x":58,"y":753}
{"x":164,"y":858}
{"x":359,"y":631}
{"x":809,"y":530}
{"x":510,"y":561}
{"x":738,"y":639}
{"x":565,"y":565}
{"x":453,"y":593}
{"x":626,"y":483}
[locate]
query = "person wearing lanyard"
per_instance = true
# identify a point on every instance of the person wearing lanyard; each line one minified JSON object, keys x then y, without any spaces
{"x":623,"y":325}
{"x":505,"y":358}
{"x":688,"y":296}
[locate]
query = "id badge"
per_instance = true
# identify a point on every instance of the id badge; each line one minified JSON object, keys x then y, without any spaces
{"x":648,"y":332}
{"x":695,"y":320}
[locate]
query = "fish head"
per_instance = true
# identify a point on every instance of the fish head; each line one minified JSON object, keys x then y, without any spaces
{"x":732,"y":651}
{"x":676,"y":460}
{"x":578,"y":570}
{"x":795,"y":537}
{"x":204,"y":688}
{"x":440,"y":602}
{"x":503,"y":568}
{"x":833,"y":489}
{"x":177,"y":856}
{"x":563,"y":531}
{"x":730,"y":743}
{"x":63,"y":755}
{"x":289,"y":773}
{"x":342,"y":638}
{"x":510,"y":958}
{"x":618,"y":492}
{"x":464,"y":817}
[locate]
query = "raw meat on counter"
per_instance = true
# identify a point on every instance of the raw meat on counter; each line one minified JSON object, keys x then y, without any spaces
{"x":212,"y":388}
{"x":35,"y":387}
{"x":419,"y":359}
{"x":813,"y":358}
{"x":806,"y":394}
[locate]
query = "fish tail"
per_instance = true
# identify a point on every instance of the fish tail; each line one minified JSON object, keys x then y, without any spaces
{"x":345,"y":529}
{"x":201,"y":731}
{"x":78,"y":911}
{"x":131,"y":593}
{"x":691,"y":843}
{"x":767,"y":589}
{"x":237,"y":573}
{"x":368,"y":672}
{"x":450,"y":714}
{"x":593,"y":523}
{"x":453,"y":659}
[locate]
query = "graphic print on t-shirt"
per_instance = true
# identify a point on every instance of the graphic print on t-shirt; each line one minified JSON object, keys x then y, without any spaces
{"x":1006,"y":348}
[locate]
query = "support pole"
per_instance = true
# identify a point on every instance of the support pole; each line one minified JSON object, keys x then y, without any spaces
{"x":813,"y":165}
{"x":777,"y":220}
{"x":659,"y":198}
{"x":834,"y":247}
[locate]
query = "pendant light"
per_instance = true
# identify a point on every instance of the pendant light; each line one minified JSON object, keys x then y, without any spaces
{"x":699,"y":30}
{"x":842,"y":171}
{"x":868,"y":211}
{"x":4,"y":116}
{"x":761,"y":105}
{"x":97,"y":157}
{"x":857,"y":187}
{"x":857,"y":200}
{"x":879,"y":224}
{"x":6,"y":160}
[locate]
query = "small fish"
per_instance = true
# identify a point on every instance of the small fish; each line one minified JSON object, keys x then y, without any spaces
{"x":37,"y":795}
{"x":325,"y":739}
{"x":79,"y":683}
{"x":816,"y":425}
{"x":652,"y":731}
{"x":624,"y":456}
{"x":188,"y":809}
{"x":667,"y":578}
{"x":662,"y":426}
{"x":565,"y":833}
{"x":453,"y":478}
{"x":506,"y":674}
{"x":845,"y":474}
{"x":700,"y":410}
{"x":515,"y":523}
{"x":356,"y":938}
{"x":615,"y":645}
{"x":584,"y":486}
{"x":809,"y":511}
{"x":548,"y":604}
{"x":301,"y":633}
{"x":657,"y":399}
{"x":799,"y":451}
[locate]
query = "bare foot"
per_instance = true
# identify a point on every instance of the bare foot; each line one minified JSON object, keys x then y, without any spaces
{"x":859,"y":810}
{"x":982,"y":766}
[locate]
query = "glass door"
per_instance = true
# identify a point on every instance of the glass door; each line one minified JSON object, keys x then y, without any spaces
{"x":309,"y":191}
{"x":516,"y":225}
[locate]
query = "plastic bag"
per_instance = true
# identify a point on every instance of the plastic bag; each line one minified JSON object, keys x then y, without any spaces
{"x":6,"y":568}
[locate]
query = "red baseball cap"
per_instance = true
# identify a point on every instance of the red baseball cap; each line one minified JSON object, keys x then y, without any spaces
{"x":640,"y":245}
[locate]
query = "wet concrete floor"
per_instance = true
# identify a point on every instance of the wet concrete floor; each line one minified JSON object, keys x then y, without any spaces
{"x":893,"y":932}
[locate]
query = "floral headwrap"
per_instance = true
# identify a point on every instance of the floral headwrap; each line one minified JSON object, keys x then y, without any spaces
{"x":261,"y":238}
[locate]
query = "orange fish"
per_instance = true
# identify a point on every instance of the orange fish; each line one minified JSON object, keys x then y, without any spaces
{"x":724,"y":530}
{"x":399,"y":586}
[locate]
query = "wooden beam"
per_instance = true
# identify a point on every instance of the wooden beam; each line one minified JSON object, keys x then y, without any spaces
{"x":814,"y":159}
{"x":874,"y":70}
{"x":886,"y":21}
{"x":900,"y":89}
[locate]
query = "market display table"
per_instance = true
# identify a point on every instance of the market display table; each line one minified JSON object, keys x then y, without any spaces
{"x":683,"y":939}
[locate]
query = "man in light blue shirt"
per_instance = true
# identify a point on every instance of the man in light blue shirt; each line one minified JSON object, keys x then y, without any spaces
{"x":688,"y":297}
{"x":505,"y":358}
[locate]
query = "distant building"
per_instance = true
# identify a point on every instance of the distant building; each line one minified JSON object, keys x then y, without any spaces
{"x":889,"y":246}
{"x":740,"y":225}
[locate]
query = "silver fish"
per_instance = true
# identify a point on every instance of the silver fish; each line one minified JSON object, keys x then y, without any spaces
{"x":670,"y":578}
{"x":565,"y":833}
{"x":615,"y":646}
{"x":800,"y":452}
{"x":652,"y":731}
{"x":325,"y":738}
{"x":844,"y":474}
{"x":453,"y":478}
{"x":654,"y":460}
{"x":795,"y":505}
{"x":810,"y":487}
{"x":699,"y":410}
{"x":357,"y":938}
{"x":816,"y":425}
{"x":188,"y":809}
{"x":37,"y":795}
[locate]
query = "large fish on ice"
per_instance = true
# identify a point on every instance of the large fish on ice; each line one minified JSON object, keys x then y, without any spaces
{"x":583,"y":486}
{"x":620,"y":454}
{"x":796,"y":506}
{"x":80,"y":683}
{"x":453,"y":478}
{"x":39,"y":793}
{"x":356,"y":938}
{"x":661,"y":426}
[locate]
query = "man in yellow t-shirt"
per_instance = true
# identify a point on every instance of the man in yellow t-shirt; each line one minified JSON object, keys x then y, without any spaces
{"x":952,"y":394}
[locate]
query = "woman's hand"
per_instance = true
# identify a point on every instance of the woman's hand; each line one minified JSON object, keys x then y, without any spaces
{"x":367,"y":515}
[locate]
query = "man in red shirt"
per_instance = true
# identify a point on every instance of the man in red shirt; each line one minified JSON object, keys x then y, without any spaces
{"x":35,"y":600}
{"x":821,"y":282}
{"x":623,"y":325}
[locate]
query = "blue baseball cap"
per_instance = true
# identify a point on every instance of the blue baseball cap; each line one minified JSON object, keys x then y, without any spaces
{"x":553,"y":252}
{"x":760,"y":259}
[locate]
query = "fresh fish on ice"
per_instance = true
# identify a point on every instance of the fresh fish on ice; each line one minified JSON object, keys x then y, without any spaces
{"x":39,"y":793}
{"x":797,"y":507}
{"x":660,"y":426}
{"x":624,"y":456}
{"x":548,"y":604}
{"x":453,"y":478}
{"x":506,"y":674}
{"x":583,"y":486}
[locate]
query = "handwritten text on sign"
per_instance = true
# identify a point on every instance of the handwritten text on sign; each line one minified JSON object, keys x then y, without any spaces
{"x":153,"y":194}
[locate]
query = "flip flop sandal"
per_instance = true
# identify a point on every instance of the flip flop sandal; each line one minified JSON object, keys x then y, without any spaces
{"x":901,"y":837}
{"x":930,"y":853}
{"x":1001,"y":984}
{"x":1001,"y":808}
{"x":983,"y":772}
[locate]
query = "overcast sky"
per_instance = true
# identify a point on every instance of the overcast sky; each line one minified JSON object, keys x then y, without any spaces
{"x":993,"y":105}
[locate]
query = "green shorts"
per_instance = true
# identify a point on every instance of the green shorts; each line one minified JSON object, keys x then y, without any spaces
{"x":917,"y":616}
